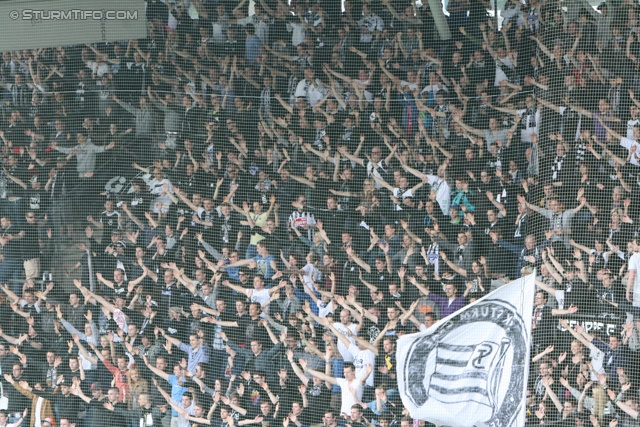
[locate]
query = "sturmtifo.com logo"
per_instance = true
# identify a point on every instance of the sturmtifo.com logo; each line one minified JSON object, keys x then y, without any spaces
{"x":74,"y":15}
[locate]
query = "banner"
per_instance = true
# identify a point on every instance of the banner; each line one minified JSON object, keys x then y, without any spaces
{"x":611,"y":325}
{"x":471,"y":368}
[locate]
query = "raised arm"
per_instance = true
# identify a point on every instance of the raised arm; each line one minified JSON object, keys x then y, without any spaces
{"x":155,"y":370}
{"x":353,"y":157}
{"x":608,"y":129}
{"x":458,"y":119}
{"x":542,"y":47}
{"x":10,"y":294}
{"x":296,"y":369}
{"x":321,"y":375}
{"x":453,"y":266}
{"x":549,"y":105}
{"x":15,"y":179}
{"x":548,"y":382}
{"x":382,"y":182}
{"x":358,"y":261}
{"x":83,"y":351}
{"x":304,"y":181}
{"x":576,"y":335}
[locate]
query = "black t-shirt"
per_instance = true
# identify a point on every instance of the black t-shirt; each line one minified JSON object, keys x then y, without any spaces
{"x":29,"y":243}
{"x":577,"y":293}
{"x":369,"y":330}
{"x":37,"y":201}
{"x":110,"y":222}
{"x":318,"y":396}
{"x":224,"y":230}
{"x":543,"y":330}
{"x":226,"y":316}
{"x":613,"y":294}
{"x":388,"y":361}
{"x":381,"y":279}
{"x":253,"y":396}
{"x":179,"y":209}
{"x":138,"y":203}
{"x":249,"y":330}
{"x":13,"y":248}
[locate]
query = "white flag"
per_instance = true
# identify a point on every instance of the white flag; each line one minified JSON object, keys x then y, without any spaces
{"x":471,"y":368}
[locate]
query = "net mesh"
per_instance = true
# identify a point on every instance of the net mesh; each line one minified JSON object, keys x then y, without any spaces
{"x":226,"y":222}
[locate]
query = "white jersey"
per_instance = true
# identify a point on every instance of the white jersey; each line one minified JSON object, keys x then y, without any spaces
{"x":303,"y":220}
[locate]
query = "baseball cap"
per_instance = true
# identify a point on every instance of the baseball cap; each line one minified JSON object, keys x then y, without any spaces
{"x":96,"y":386}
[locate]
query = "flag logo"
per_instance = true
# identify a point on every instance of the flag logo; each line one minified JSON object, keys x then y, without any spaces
{"x":468,"y":372}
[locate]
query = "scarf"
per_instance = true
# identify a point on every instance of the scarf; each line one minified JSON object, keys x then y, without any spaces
{"x":557,"y":166}
{"x":531,"y":118}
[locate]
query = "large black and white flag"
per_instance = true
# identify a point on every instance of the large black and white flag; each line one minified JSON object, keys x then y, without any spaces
{"x":470,"y":368}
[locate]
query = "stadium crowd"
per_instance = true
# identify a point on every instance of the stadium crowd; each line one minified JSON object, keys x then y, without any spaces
{"x":259,"y":205}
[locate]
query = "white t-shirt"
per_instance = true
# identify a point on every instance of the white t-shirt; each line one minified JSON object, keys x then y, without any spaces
{"x":560,"y":299}
{"x":630,"y":125}
{"x":348,"y":400}
{"x":500,"y":75}
{"x":634,"y":264}
{"x":628,"y":143}
{"x":411,"y":86}
{"x":362,"y":358}
{"x":258,"y":296}
{"x":324,"y":311}
{"x":219,"y":30}
{"x":344,"y":351}
{"x":597,"y":361}
{"x":99,"y":69}
{"x":312,"y":93}
{"x":297,"y":31}
{"x":311,"y":275}
{"x":435,"y":89}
